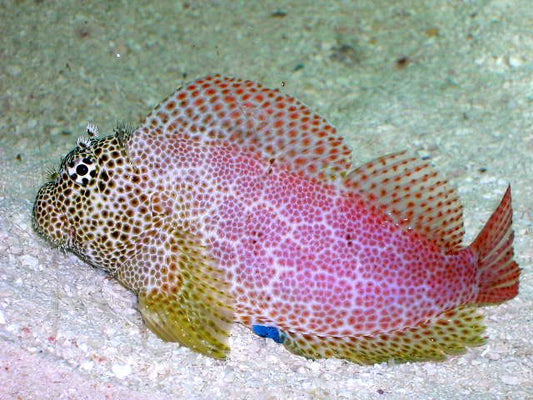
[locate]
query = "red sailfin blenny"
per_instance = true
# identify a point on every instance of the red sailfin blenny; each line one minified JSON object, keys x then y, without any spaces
{"x":232,"y":202}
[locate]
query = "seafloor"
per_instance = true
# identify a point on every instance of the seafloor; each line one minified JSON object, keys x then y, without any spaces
{"x":447,"y":80}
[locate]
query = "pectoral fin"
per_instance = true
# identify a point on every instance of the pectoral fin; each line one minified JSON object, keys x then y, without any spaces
{"x":183,"y":295}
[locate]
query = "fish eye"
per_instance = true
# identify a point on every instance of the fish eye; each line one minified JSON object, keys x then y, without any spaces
{"x":81,"y":170}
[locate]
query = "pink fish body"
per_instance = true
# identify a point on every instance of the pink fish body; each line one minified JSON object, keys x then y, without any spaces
{"x":233,"y":202}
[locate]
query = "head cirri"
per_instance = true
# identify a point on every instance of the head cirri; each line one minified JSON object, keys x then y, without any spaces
{"x":80,"y":209}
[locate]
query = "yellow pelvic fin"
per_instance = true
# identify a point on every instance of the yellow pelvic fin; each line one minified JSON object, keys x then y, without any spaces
{"x":183,"y":295}
{"x":448,"y":333}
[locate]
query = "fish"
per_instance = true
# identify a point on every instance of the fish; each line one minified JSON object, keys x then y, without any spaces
{"x":235,"y":203}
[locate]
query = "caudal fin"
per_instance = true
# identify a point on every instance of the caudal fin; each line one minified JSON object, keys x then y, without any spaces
{"x":500,"y":274}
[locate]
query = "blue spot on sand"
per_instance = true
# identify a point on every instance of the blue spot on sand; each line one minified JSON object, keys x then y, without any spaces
{"x":269,"y":332}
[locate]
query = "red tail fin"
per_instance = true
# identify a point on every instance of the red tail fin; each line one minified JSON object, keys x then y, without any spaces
{"x":494,"y":244}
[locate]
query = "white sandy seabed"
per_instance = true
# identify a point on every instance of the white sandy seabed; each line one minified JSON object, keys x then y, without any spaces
{"x":69,"y":332}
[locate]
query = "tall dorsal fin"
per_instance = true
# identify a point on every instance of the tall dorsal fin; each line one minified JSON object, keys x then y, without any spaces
{"x":411,"y":192}
{"x":257,"y":119}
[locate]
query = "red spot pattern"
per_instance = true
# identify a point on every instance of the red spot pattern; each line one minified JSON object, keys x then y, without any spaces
{"x":253,"y":173}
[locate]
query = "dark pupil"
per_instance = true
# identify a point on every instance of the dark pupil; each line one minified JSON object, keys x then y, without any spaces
{"x":82,"y":169}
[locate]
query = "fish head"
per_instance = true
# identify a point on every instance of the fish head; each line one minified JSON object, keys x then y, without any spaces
{"x":84,"y":208}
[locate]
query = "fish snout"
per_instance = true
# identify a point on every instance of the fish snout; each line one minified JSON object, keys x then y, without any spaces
{"x":49,"y":219}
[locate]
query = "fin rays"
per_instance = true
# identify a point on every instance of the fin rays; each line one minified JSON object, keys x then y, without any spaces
{"x":410,"y":191}
{"x":184,"y":298}
{"x":447,"y":334}
{"x":258,"y":120}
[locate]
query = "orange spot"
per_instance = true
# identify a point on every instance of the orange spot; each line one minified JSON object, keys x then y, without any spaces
{"x":171,"y":105}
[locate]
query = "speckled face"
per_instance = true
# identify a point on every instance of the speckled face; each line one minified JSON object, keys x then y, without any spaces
{"x":92,"y":205}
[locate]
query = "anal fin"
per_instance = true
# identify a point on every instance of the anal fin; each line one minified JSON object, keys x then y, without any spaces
{"x":447,"y":334}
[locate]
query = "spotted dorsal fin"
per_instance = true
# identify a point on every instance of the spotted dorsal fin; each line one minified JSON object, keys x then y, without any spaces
{"x":410,"y":191}
{"x":260,"y":120}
